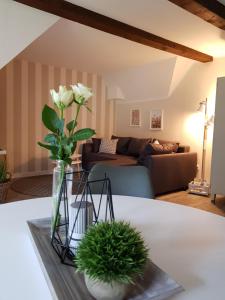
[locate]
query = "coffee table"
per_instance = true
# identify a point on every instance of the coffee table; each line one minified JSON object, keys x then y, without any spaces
{"x":187,"y":243}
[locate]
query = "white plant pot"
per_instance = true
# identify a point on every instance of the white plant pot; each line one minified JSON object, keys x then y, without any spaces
{"x":105,"y":291}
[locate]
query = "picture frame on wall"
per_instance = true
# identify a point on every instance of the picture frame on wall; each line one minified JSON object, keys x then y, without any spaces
{"x":156,"y":119}
{"x":135,"y":117}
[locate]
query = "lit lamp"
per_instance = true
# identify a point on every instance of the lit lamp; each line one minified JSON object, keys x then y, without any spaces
{"x":200,"y":186}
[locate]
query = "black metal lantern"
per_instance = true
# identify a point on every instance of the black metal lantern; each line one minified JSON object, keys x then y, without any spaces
{"x":74,"y":216}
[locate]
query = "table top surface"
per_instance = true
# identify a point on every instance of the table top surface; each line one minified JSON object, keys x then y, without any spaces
{"x":187,"y":243}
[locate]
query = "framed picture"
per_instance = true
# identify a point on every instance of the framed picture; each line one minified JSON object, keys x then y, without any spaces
{"x":135,"y":117}
{"x":156,"y":119}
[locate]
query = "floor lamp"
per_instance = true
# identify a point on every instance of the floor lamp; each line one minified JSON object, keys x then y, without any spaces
{"x":200,"y":186}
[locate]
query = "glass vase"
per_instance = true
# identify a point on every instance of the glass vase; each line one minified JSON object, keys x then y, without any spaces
{"x":58,"y":174}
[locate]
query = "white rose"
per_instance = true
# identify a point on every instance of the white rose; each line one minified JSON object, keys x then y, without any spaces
{"x":55,"y":97}
{"x":81,"y":93}
{"x":63,"y":98}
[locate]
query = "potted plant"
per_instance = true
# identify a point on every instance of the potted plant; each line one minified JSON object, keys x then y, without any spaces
{"x":63,"y":136}
{"x":111,"y":255}
{"x":4,"y":181}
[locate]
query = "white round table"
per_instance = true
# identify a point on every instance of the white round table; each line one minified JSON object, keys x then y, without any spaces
{"x":187,"y":243}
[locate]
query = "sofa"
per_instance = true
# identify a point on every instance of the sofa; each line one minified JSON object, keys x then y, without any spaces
{"x":171,"y":165}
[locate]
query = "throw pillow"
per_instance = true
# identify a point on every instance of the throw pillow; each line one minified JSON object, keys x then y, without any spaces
{"x":122,"y":145}
{"x":163,"y":142}
{"x":136,"y":146}
{"x":156,"y":142}
{"x":108,"y":146}
{"x":172,"y":146}
{"x":154,"y":149}
{"x":96,"y":144}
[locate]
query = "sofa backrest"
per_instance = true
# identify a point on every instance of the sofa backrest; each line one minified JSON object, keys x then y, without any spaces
{"x":135,"y":146}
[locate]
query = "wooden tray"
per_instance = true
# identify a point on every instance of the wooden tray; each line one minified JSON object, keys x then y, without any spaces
{"x":66,"y":284}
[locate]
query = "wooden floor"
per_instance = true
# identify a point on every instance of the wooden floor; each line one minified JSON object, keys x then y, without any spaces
{"x":182,"y":197}
{"x":200,"y":202}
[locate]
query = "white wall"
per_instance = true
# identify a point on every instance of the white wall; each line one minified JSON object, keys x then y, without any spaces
{"x":19,"y":26}
{"x":146,"y":82}
{"x":218,"y":161}
{"x":181,"y":122}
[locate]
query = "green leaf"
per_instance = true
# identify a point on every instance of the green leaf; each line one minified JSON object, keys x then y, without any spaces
{"x":52,"y":148}
{"x":68,"y":149}
{"x":53,"y":157}
{"x":4,"y":175}
{"x":51,"y":120}
{"x":83,"y":134}
{"x":73,"y":148}
{"x":65,"y":140}
{"x":71,"y":125}
{"x":50,"y":138}
{"x":68,"y":160}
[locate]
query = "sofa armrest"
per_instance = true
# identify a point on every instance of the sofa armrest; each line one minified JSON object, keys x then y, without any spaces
{"x":170,"y":172}
{"x":183,"y":148}
{"x":87,"y":148}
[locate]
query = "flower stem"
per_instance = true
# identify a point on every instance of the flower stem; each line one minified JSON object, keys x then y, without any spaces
{"x":61,"y":113}
{"x":61,"y":135}
{"x":75,"y":119}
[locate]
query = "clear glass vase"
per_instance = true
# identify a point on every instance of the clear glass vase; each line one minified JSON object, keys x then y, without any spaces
{"x":58,"y":174}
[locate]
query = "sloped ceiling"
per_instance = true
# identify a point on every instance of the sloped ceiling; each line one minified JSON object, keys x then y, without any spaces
{"x":77,"y":46}
{"x":73,"y":45}
{"x":123,"y":63}
{"x":19,"y":26}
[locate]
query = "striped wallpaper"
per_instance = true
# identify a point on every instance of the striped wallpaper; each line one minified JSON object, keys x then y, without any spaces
{"x":24,"y":89}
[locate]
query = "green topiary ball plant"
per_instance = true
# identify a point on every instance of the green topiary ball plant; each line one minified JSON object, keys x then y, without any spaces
{"x":112,"y":252}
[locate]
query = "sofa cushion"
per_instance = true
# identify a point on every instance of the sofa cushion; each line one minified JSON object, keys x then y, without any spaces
{"x":96,"y":144}
{"x":100,"y":156}
{"x":136,"y":146}
{"x":110,"y":159}
{"x":123,"y":160}
{"x":108,"y":146}
{"x":122,"y":145}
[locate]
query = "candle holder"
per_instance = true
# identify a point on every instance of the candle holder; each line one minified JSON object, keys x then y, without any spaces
{"x":75,"y":214}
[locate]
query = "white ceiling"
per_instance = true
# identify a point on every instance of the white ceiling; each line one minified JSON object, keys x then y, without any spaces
{"x":76,"y":46}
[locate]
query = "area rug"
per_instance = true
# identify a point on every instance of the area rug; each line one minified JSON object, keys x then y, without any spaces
{"x":36,"y":186}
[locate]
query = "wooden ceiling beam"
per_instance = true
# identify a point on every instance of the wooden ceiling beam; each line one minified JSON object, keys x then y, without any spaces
{"x":212,"y":11}
{"x":95,"y":20}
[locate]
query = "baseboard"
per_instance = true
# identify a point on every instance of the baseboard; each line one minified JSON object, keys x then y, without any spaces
{"x":30,"y":174}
